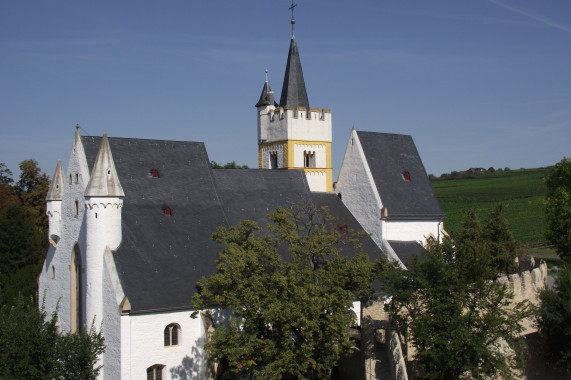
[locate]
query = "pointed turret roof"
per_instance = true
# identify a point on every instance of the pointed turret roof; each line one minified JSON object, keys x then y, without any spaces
{"x":104,"y":181}
{"x":293,"y":90}
{"x":55,"y":191}
{"x":267,"y":96}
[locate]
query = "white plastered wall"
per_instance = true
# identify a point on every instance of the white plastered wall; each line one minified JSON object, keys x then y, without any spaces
{"x":413,"y":230}
{"x":142,"y":344}
{"x":317,"y":181}
{"x":284,"y":125}
{"x":359,"y":192}
{"x":72,"y":231}
{"x":319,"y":151}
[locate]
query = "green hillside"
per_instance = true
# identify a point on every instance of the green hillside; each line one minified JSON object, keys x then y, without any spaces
{"x":521,"y":191}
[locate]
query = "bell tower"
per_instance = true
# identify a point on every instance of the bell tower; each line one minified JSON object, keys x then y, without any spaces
{"x":292,"y":135}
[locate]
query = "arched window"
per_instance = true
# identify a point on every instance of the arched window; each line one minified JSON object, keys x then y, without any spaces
{"x":76,"y":290}
{"x":309,"y":159}
{"x":274,"y":160}
{"x":171,"y":334}
{"x":155,"y":372}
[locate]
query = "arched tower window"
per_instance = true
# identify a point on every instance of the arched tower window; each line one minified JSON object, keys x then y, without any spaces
{"x":273,"y":160}
{"x":171,"y":335}
{"x":76,"y":290}
{"x":309,"y":159}
{"x":155,"y":372}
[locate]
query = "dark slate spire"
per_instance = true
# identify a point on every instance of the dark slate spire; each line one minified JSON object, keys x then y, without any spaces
{"x":293,"y":90}
{"x":267,"y":96}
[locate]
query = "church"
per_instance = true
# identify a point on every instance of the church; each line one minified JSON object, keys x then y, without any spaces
{"x":130,"y":222}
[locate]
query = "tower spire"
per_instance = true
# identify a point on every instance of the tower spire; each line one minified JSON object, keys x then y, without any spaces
{"x":294,"y":93}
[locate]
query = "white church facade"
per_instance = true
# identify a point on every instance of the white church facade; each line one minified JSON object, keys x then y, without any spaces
{"x":130,"y":222}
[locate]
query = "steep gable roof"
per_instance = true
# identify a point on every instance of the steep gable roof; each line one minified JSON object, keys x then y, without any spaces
{"x":161,"y":257}
{"x":399,"y":175}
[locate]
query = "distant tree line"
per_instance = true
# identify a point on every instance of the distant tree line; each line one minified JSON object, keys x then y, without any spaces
{"x":470,"y":173}
{"x":228,"y":165}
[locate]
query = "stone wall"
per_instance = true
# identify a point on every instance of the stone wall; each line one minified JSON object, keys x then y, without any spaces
{"x":526,"y":285}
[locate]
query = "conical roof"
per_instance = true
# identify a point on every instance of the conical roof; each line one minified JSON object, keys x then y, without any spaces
{"x":293,"y":90}
{"x":267,"y":96}
{"x":55,"y":192}
{"x":104,"y":181}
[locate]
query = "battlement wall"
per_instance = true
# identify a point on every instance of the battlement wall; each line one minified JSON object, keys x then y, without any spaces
{"x":288,"y":123}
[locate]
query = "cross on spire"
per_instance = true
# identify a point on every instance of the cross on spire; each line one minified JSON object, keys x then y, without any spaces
{"x":293,"y":5}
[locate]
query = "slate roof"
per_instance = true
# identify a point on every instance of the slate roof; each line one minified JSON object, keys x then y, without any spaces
{"x":162,"y":257}
{"x":293,"y":89}
{"x":266,"y":97}
{"x":389,"y":156}
{"x":406,"y":250}
{"x":344,"y":217}
{"x":252,"y":194}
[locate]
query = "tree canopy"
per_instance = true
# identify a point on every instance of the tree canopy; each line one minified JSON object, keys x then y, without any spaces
{"x":554,"y":320}
{"x":23,"y":229}
{"x":451,"y":309}
{"x":558,"y":208}
{"x":228,"y":165}
{"x":33,"y":348}
{"x":290,"y":290}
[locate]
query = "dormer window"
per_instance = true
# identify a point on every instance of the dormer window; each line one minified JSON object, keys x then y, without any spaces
{"x":406,"y":176}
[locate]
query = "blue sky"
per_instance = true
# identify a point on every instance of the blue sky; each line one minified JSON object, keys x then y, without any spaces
{"x":477,"y":83}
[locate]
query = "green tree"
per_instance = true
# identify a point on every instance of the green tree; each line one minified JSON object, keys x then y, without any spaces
{"x":500,"y":241}
{"x":290,"y":314}
{"x":452,"y":311}
{"x":558,"y":208}
{"x":33,"y":348}
{"x":554,"y":320}
{"x":228,"y":165}
{"x":32,"y":188}
{"x":22,"y":249}
{"x":5,"y":174}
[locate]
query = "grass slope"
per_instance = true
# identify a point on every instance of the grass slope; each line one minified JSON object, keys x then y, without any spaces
{"x":521,"y":191}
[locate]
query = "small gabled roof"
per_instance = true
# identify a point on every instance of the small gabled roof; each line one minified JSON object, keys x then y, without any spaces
{"x":293,"y":90}
{"x":104,"y":181}
{"x":55,"y":192}
{"x":399,"y":175}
